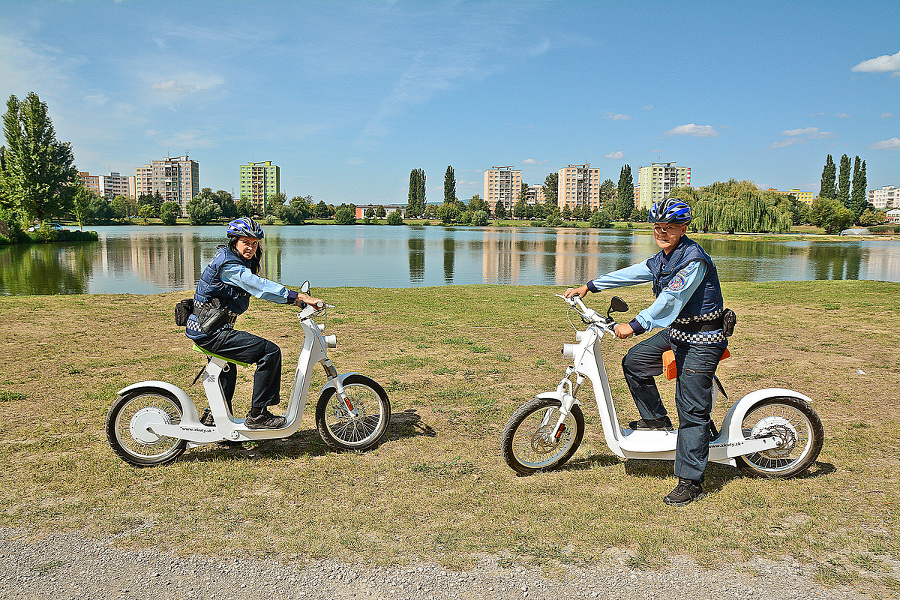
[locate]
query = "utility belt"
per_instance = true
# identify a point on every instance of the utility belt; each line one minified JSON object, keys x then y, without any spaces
{"x":725,"y":321}
{"x":212,"y":316}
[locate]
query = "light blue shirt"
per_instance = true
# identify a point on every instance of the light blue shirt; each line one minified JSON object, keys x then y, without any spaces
{"x":671,"y":300}
{"x":242,"y":277}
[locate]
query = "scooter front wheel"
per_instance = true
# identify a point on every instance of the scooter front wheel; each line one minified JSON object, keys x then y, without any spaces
{"x":798,"y":429}
{"x":129,"y":430}
{"x":528,"y":443}
{"x":359,"y":425}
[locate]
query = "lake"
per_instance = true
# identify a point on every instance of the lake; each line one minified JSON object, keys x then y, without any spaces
{"x":155,"y":259}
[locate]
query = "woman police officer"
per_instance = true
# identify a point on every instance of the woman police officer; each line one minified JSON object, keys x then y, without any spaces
{"x":222,"y":294}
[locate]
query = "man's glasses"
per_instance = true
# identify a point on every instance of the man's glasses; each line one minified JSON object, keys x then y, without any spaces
{"x":666,"y":229}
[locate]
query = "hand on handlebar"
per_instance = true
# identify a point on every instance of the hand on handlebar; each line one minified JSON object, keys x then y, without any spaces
{"x":581,"y":292}
{"x":623,"y":331}
{"x":306,"y":299}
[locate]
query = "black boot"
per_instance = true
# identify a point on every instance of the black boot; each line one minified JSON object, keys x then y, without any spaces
{"x":663,"y":424}
{"x":685,"y":492}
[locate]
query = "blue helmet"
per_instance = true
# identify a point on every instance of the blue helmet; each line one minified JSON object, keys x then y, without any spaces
{"x":244,"y":227}
{"x":670,"y":210}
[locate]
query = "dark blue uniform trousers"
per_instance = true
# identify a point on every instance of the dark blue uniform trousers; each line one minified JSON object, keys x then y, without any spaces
{"x":248,"y":348}
{"x":693,"y":394}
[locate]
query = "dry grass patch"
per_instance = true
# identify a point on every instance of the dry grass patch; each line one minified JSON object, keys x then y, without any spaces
{"x":456,"y":362}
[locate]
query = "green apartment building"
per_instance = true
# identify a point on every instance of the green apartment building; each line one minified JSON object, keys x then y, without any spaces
{"x":259,"y":182}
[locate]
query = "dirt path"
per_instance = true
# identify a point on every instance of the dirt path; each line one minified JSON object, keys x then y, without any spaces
{"x":73,"y":566}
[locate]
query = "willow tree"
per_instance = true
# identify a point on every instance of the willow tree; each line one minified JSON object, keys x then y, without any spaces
{"x":39,"y":176}
{"x":736,"y":206}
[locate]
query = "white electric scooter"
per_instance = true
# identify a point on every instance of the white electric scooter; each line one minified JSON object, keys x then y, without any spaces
{"x":772,"y":432}
{"x":153,"y":422}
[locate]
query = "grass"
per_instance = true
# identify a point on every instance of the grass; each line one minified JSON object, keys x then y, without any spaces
{"x":436,"y":489}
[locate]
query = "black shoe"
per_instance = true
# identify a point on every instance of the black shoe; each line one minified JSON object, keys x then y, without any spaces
{"x":685,"y":492}
{"x":206,"y":418}
{"x":663,"y":424}
{"x":265,"y":420}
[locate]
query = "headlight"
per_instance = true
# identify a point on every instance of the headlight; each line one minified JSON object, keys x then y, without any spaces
{"x":330,"y":340}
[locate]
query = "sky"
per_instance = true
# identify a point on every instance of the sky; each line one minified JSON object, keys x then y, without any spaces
{"x":347,"y":97}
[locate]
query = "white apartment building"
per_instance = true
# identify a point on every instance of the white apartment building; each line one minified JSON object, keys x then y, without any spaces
{"x":502,"y":184}
{"x":176,"y":179}
{"x":114,"y":184}
{"x":535,"y":195}
{"x":578,"y":185}
{"x":658,"y":180}
{"x":886,"y":198}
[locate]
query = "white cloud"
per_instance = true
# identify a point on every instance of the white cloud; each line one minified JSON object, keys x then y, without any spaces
{"x":886,"y":144}
{"x":529,"y":161}
{"x":804,"y":131}
{"x":617,"y":117}
{"x":882,"y":64}
{"x":694,"y":130}
{"x":615,"y":155}
{"x":188,"y":83}
{"x":647,"y":107}
{"x":842,"y":116}
{"x":887,"y":115}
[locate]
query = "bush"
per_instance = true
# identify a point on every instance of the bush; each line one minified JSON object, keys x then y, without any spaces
{"x":344,"y":216}
{"x":395,"y":218}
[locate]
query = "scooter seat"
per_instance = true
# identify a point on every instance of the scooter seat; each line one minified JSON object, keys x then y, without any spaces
{"x":197,"y":348}
{"x":669,"y":368}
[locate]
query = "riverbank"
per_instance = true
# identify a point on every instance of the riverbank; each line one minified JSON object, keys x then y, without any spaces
{"x":456,"y":362}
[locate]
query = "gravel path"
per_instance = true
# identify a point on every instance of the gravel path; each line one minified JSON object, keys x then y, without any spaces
{"x":74,"y":566}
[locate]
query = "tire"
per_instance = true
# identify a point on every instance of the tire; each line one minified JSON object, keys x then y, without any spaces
{"x":128,"y":436}
{"x":801,"y":432}
{"x":525,"y":443}
{"x":344,"y":431}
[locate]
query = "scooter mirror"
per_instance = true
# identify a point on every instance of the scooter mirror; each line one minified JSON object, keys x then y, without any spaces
{"x":304,"y":287}
{"x":617,"y":305}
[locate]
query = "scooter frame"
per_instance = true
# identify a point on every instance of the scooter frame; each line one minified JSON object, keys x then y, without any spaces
{"x":730,"y":443}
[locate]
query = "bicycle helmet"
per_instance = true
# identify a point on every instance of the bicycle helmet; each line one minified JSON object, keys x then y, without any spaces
{"x":244,"y":227}
{"x":670,"y":210}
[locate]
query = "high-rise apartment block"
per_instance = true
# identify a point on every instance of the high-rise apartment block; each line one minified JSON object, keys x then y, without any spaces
{"x":259,"y":182}
{"x":176,"y":179}
{"x":535,"y":195}
{"x":578,"y":185}
{"x":502,"y":184}
{"x":886,"y":198}
{"x":658,"y":180}
{"x":91,"y":182}
{"x":114,"y":184}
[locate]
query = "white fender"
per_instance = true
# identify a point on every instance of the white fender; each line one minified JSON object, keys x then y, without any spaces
{"x":188,"y":408}
{"x":731,"y":424}
{"x":331,"y":382}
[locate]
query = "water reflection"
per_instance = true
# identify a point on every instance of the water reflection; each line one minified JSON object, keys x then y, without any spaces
{"x":158,"y":259}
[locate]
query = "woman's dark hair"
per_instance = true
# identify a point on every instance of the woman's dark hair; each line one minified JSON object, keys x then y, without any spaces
{"x":254,"y":262}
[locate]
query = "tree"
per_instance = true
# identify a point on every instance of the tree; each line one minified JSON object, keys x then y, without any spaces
{"x":448,"y":212}
{"x":344,"y":216}
{"x":202,"y":211}
{"x":479,"y":218}
{"x":380,"y":212}
{"x":843,"y":190}
{"x":565,"y":213}
{"x":449,"y":185}
{"x":608,"y":196}
{"x":477,"y":203}
{"x":170,"y":211}
{"x":830,"y":214}
{"x":625,"y":194}
{"x":858,"y":197}
{"x":520,"y":210}
{"x":297,"y":211}
{"x":499,"y":210}
{"x":81,"y":204}
{"x":826,"y":189}
{"x":551,"y":189}
{"x":38,"y":172}
{"x":321,"y":210}
{"x":600,"y":219}
{"x":416,"y":199}
{"x":395,"y":218}
{"x":274,"y":203}
{"x":244,"y":208}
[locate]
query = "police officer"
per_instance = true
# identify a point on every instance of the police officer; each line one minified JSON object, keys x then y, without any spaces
{"x":223,"y":293}
{"x":688,"y":310}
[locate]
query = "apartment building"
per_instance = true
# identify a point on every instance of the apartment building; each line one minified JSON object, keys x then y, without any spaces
{"x":91,"y":182}
{"x":176,"y":179}
{"x":502,"y":184}
{"x":535,"y":195}
{"x":578,"y":185}
{"x":886,"y":198}
{"x":804,"y":196}
{"x":115,"y":184}
{"x":658,"y":180}
{"x":259,"y":182}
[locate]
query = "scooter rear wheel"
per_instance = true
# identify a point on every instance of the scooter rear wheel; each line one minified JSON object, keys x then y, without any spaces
{"x":128,"y":434}
{"x":527,"y":442}
{"x":799,"y":429}
{"x":361,"y":428}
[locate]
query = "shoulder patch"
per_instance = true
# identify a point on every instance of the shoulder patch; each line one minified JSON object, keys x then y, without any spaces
{"x":677,"y":283}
